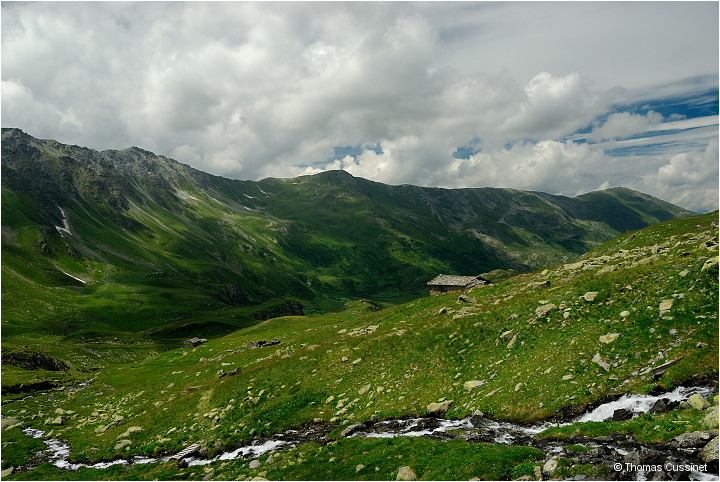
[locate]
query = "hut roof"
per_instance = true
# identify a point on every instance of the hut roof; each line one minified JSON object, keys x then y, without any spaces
{"x":450,"y":280}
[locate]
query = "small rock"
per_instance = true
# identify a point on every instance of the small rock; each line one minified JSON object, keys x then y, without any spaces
{"x":512,"y":342}
{"x":506,"y":335}
{"x":406,"y":473}
{"x":665,"y":306}
{"x":519,"y":386}
{"x":550,"y":467}
{"x":624,"y":314}
{"x":597,"y":359}
{"x":359,"y":468}
{"x":254,"y":464}
{"x":9,"y":471}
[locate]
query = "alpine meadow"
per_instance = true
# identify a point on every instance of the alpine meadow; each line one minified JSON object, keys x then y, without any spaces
{"x":163,"y":323}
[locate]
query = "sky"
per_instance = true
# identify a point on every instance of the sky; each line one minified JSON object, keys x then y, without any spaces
{"x":565,"y":97}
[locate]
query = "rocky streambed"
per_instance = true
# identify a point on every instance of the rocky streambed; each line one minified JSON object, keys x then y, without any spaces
{"x":684,"y":458}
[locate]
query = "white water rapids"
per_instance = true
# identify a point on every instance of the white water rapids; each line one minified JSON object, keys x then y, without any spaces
{"x":497,"y":432}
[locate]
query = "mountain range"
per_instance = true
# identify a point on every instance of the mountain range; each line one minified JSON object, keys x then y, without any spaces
{"x":152,"y":311}
{"x":86,"y":231}
{"x":330,"y":235}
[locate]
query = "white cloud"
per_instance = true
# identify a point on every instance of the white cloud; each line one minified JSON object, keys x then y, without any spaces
{"x":256,"y":89}
{"x":625,"y":124}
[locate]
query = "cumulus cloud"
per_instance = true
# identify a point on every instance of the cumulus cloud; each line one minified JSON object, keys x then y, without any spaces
{"x":697,"y":169}
{"x":625,"y":124}
{"x":255,"y":89}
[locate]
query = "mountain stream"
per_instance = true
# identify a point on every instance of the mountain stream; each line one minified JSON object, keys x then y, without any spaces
{"x":617,"y":449}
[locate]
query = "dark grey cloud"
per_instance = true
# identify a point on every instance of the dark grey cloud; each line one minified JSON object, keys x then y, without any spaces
{"x":542,"y":91}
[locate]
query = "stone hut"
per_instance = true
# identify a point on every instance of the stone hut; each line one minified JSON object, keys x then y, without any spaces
{"x":449,"y":284}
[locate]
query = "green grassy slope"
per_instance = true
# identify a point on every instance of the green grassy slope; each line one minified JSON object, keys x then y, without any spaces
{"x":345,"y":367}
{"x":117,"y":255}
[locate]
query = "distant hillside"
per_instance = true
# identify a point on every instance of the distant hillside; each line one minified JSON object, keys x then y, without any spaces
{"x":132,"y":241}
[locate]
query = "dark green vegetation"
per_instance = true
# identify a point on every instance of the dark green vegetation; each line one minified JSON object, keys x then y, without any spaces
{"x":110,"y":257}
{"x":532,"y":346}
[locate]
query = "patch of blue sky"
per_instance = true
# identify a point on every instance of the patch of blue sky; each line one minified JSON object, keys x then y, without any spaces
{"x":667,"y":143}
{"x":678,"y":102}
{"x":699,"y":104}
{"x":468,"y":150}
{"x":659,"y":149}
{"x":340,"y":152}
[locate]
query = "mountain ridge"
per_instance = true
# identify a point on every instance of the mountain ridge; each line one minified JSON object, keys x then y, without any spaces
{"x":330,"y":226}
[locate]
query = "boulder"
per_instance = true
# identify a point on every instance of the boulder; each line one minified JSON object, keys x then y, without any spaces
{"x":691,"y":439}
{"x":609,"y":338}
{"x":9,"y":422}
{"x":698,"y":401}
{"x":470,"y":384}
{"x":711,"y":420}
{"x":542,"y":311}
{"x":711,"y":264}
{"x":597,"y":359}
{"x":662,"y":405}
{"x":438,"y":409}
{"x":710,"y":452}
{"x":194,"y":342}
{"x":122,"y":443}
{"x":539,"y":284}
{"x":622,"y":414}
{"x":590,"y":296}
{"x":350,"y":429}
{"x":665,"y":306}
{"x":406,"y":473}
{"x":57,"y":421}
{"x":506,"y":335}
